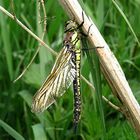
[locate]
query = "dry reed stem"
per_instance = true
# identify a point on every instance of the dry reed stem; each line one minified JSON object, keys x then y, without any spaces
{"x":110,"y":66}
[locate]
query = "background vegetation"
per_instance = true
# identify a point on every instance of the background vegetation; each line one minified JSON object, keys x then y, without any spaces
{"x":17,"y":48}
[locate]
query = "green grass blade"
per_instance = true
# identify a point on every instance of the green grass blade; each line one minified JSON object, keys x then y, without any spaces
{"x":39,"y":132}
{"x":44,"y":56}
{"x":96,"y":75}
{"x":11,"y":131}
{"x":26,"y":96}
{"x":32,"y":76}
{"x":100,"y":14}
{"x":126,"y":20}
{"x":5,"y":36}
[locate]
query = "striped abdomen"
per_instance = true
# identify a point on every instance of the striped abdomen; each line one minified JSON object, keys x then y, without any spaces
{"x":76,"y":87}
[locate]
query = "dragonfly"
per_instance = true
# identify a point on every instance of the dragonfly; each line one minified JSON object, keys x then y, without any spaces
{"x":66,"y":70}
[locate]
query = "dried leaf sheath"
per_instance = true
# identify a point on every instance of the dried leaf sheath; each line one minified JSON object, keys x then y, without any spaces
{"x":58,"y":81}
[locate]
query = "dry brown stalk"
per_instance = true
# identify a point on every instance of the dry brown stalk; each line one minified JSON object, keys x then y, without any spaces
{"x":110,"y":66}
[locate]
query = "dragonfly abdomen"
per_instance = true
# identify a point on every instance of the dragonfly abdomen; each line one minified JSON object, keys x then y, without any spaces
{"x":76,"y":87}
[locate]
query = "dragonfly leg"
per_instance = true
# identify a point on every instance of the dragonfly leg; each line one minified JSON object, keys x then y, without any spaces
{"x":81,"y":24}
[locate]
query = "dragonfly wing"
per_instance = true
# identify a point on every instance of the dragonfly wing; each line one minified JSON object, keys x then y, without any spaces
{"x":61,"y":77}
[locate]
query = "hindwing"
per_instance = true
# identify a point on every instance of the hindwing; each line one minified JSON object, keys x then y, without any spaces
{"x":60,"y":78}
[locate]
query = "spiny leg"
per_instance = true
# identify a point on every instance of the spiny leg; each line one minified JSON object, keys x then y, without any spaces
{"x":81,"y":24}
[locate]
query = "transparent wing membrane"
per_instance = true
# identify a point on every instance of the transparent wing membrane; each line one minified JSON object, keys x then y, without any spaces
{"x":58,"y":81}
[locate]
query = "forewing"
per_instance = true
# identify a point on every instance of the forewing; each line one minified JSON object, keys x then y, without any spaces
{"x":57,"y":82}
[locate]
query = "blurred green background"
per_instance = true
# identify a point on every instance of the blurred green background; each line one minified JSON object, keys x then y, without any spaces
{"x":17,"y":48}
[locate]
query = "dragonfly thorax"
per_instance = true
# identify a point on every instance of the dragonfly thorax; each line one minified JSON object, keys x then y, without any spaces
{"x":72,"y":34}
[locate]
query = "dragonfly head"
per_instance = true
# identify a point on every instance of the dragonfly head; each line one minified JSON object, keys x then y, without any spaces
{"x":70,"y":26}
